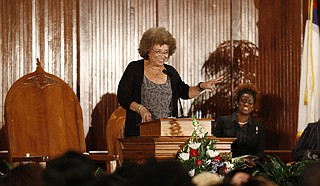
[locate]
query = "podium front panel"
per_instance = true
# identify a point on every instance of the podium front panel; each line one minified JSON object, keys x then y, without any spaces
{"x":173,"y":127}
{"x":138,"y":149}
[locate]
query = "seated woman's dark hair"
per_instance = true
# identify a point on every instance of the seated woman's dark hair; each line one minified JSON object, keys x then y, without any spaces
{"x":246,"y":88}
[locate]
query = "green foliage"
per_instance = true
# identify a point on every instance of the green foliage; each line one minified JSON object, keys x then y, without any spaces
{"x":9,"y":165}
{"x":276,"y":170}
{"x":99,"y":171}
{"x":201,"y":155}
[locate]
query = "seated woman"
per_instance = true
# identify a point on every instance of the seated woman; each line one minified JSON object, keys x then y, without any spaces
{"x":308,"y":145}
{"x":241,"y":125}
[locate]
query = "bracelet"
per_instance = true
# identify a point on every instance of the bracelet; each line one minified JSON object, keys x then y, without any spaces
{"x":139,"y":108}
{"x":199,"y":87}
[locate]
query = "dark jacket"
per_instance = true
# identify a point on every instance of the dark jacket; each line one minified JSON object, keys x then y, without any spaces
{"x":250,"y":138}
{"x":129,"y":90}
{"x":308,"y":143}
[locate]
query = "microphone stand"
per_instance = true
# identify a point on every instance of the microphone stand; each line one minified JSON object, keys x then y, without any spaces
{"x":181,"y":109}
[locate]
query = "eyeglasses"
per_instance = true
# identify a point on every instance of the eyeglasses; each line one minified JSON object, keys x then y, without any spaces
{"x":159,"y":52}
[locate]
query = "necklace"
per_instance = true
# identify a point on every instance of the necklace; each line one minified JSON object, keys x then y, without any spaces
{"x":155,"y":72}
{"x":242,"y":123}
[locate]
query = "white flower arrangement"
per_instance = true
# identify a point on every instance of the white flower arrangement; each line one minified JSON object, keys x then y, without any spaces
{"x":200,"y":154}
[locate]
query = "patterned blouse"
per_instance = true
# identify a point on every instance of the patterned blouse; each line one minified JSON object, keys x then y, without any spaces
{"x":157,"y":98}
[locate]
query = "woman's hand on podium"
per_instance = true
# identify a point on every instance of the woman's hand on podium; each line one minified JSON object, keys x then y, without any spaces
{"x":145,"y":115}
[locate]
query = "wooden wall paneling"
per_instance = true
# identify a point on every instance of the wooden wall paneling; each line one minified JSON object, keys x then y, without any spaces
{"x":199,"y":27}
{"x":15,"y":47}
{"x":99,"y":38}
{"x":234,"y":23}
{"x":110,"y":32}
{"x":15,"y":32}
{"x":37,"y":29}
{"x":280,"y":55}
{"x":56,"y":28}
{"x":3,"y":60}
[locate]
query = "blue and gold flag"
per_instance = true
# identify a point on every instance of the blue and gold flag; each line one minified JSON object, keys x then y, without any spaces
{"x":309,"y":105}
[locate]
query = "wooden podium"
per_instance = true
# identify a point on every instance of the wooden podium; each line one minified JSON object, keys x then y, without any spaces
{"x":172,"y":127}
{"x":164,"y":138}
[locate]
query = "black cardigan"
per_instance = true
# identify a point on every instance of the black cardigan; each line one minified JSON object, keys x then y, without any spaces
{"x":129,"y":90}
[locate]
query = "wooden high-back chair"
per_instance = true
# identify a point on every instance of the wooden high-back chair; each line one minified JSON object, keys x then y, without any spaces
{"x":114,"y":131}
{"x":43,"y":118}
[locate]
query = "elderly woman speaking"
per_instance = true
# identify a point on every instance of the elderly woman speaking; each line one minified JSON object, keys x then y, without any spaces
{"x":149,"y":88}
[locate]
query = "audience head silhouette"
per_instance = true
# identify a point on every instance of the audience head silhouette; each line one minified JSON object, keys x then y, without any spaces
{"x":237,"y":177}
{"x":160,"y":173}
{"x":29,"y":174}
{"x":70,"y":169}
{"x":109,"y":180}
{"x":206,"y":179}
{"x":310,"y":175}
